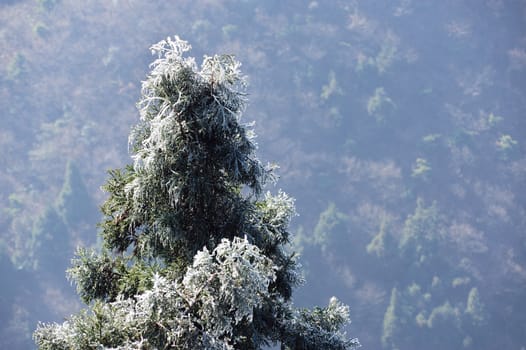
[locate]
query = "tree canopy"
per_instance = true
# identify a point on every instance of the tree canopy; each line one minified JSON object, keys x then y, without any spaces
{"x":195,"y":253}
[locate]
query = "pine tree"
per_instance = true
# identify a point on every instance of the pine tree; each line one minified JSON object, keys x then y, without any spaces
{"x":74,"y":204}
{"x":195,"y":254}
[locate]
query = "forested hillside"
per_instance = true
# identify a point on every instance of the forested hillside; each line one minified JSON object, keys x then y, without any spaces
{"x":398,"y":126}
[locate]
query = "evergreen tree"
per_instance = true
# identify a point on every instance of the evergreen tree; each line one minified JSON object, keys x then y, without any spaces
{"x":50,"y":242}
{"x":195,"y":255}
{"x":475,"y":307}
{"x":391,"y":320}
{"x":74,"y":204}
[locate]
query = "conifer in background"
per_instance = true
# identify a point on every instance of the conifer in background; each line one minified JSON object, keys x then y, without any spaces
{"x":50,"y":242}
{"x":74,"y":204}
{"x":195,"y":254}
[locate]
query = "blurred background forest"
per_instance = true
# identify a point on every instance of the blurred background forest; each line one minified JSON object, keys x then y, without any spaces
{"x":399,"y":127}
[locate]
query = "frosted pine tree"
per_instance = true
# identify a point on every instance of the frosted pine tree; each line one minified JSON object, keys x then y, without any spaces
{"x":195,"y":254}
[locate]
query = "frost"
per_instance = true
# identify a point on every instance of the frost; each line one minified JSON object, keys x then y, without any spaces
{"x":228,"y":284}
{"x":195,"y":257}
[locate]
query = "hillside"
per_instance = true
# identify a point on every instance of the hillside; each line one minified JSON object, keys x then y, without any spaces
{"x":398,"y":126}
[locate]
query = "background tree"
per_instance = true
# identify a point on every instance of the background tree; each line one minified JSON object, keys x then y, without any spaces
{"x":50,"y":244}
{"x":68,"y":85}
{"x":194,"y":256}
{"x":74,"y":203}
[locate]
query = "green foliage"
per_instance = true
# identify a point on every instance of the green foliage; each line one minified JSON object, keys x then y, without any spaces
{"x":391,"y":320}
{"x":208,"y":308}
{"x":414,"y":289}
{"x":17,"y":67}
{"x":427,"y":302}
{"x":330,"y":227}
{"x":381,"y":242}
{"x":414,"y":317}
{"x":192,"y":156}
{"x":380,"y":105}
{"x":74,"y":204}
{"x":444,"y":316}
{"x":319,"y":328}
{"x":494,"y":120}
{"x":117,"y":223}
{"x":194,"y":255}
{"x":460,"y":281}
{"x":431,"y":138}
{"x":421,"y":169}
{"x":387,"y":54}
{"x":97,"y":276}
{"x":16,"y":203}
{"x":506,"y":145}
{"x":331,"y":88}
{"x":421,"y":234}
{"x":475,"y":307}
{"x":103,"y":320}
{"x":42,"y":234}
{"x":50,"y":243}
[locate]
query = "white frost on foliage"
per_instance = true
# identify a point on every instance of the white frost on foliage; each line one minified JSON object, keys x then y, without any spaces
{"x":281,"y":209}
{"x":220,"y":290}
{"x":174,"y":81}
{"x":321,"y":327}
{"x":337,"y":312}
{"x":232,"y":280}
